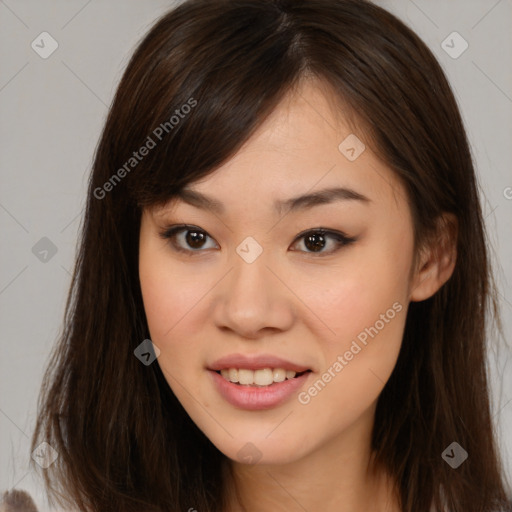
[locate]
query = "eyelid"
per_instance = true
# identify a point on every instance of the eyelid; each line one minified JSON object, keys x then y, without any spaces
{"x":342,"y":239}
{"x":168,"y":234}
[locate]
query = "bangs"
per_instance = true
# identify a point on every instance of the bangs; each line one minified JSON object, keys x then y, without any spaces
{"x":200,"y":101}
{"x":213,"y":80}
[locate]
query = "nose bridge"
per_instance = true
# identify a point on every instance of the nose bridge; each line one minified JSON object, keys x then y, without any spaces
{"x":252,"y":298}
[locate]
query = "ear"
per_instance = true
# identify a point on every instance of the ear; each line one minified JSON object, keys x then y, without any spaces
{"x":436,"y":259}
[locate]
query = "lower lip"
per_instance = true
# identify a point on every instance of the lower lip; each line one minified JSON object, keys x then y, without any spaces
{"x":253,"y":398}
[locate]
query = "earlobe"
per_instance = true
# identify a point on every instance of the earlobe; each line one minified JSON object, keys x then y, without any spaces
{"x":437,"y":260}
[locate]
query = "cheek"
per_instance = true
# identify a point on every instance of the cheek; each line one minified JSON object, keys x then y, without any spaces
{"x":357,"y":293}
{"x":364,"y":305}
{"x":169,"y":294}
{"x":168,"y":306}
{"x":359,"y":359}
{"x":171,"y":300}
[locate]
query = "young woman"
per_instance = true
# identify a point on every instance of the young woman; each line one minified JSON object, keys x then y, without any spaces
{"x":282,"y":291}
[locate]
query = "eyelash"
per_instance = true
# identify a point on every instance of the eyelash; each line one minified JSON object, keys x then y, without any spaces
{"x":342,"y":240}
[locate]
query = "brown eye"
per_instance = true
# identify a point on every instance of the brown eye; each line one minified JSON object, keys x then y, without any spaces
{"x":316,"y":240}
{"x":195,"y":239}
{"x":191,"y":239}
{"x":187,"y":239}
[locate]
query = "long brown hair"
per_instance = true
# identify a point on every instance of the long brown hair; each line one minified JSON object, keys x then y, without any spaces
{"x":124,"y":441}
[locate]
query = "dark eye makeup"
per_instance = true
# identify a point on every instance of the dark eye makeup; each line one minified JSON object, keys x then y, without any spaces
{"x":317,"y":238}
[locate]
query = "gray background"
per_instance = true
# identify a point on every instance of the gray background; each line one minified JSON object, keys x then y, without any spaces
{"x":52,"y":112}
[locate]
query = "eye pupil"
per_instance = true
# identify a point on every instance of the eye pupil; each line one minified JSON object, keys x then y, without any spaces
{"x":195,"y":239}
{"x":315,"y":242}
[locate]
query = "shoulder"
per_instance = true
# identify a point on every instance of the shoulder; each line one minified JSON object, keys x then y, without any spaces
{"x":17,"y":500}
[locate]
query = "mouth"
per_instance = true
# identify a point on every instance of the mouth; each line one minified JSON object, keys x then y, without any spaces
{"x":259,"y":378}
{"x":257,"y":381}
{"x":256,"y":390}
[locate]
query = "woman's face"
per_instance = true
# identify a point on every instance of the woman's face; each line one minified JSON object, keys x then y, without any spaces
{"x":251,"y":288}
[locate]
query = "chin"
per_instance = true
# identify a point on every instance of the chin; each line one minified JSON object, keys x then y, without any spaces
{"x":261,"y":451}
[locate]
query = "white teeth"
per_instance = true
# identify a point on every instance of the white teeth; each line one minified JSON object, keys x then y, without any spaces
{"x":262,"y":377}
{"x":245,"y":376}
{"x":279,"y":375}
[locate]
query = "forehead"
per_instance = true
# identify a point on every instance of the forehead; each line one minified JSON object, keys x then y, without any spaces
{"x":305,"y":145}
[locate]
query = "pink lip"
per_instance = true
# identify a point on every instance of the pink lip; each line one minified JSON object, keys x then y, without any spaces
{"x":255,"y":362}
{"x":255,"y":398}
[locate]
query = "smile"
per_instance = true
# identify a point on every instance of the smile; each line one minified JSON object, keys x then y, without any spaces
{"x":257,"y":381}
{"x":256,"y":397}
{"x":263,"y":377}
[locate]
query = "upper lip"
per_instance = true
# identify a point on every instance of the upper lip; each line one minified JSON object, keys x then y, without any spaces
{"x":255,"y":362}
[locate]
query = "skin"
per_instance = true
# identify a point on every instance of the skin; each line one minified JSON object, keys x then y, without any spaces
{"x":291,"y":302}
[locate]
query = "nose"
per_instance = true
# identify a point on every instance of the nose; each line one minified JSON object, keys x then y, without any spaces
{"x":252,"y":300}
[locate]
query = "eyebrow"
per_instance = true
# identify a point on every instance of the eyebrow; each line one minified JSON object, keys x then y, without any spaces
{"x":306,"y":201}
